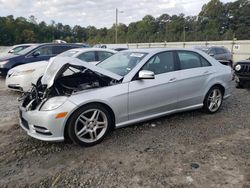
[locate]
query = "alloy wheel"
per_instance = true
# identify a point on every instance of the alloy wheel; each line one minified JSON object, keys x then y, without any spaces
{"x":214,"y":100}
{"x":91,"y":125}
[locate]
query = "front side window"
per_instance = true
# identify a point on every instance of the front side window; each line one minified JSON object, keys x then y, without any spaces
{"x":44,"y":51}
{"x":123,"y":62}
{"x":87,"y":56}
{"x":161,"y":63}
{"x":190,"y":60}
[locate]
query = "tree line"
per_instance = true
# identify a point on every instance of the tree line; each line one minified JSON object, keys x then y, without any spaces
{"x":216,"y":21}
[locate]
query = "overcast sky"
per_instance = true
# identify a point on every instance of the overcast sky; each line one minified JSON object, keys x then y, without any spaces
{"x":98,"y":13}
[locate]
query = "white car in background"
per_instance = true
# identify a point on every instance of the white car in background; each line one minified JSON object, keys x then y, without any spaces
{"x":17,"y":48}
{"x":21,"y":77}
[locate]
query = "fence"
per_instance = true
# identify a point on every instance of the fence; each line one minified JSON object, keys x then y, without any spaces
{"x":4,"y":49}
{"x":239,"y":48}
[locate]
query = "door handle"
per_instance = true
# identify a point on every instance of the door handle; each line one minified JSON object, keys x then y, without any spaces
{"x":206,"y":72}
{"x":172,"y":79}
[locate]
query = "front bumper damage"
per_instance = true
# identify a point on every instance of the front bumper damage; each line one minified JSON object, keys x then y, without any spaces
{"x":44,"y":125}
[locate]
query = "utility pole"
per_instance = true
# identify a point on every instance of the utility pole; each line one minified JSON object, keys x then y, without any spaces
{"x":184,"y":33}
{"x":116,"y":23}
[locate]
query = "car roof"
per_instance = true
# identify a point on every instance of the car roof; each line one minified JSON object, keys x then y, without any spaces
{"x":157,"y":50}
{"x":92,"y":49}
{"x":217,"y":47}
{"x":27,"y":44}
{"x":32,"y":47}
{"x":58,"y":44}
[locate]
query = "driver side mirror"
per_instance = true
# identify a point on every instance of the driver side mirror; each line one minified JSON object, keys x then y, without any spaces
{"x":145,"y":74}
{"x":11,"y":51}
{"x":36,"y":53}
{"x":211,"y":54}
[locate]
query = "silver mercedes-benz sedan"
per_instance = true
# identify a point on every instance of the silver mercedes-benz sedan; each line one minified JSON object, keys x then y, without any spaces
{"x":82,"y":102}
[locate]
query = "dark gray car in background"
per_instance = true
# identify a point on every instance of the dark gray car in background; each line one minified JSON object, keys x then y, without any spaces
{"x":220,"y":53}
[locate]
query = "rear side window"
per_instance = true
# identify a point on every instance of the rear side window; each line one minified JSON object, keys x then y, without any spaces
{"x":87,"y":56}
{"x":204,"y":62}
{"x":59,"y":49}
{"x":103,"y":55}
{"x":190,"y":60}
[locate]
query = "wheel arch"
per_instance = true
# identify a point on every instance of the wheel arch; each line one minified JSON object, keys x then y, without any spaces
{"x":110,"y":110}
{"x":215,"y":85}
{"x":220,"y":86}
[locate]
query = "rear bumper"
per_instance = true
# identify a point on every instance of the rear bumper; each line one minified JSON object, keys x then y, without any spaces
{"x":228,"y":90}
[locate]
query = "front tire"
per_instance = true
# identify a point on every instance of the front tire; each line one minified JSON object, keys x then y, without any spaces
{"x":89,"y":125}
{"x":213,"y":100}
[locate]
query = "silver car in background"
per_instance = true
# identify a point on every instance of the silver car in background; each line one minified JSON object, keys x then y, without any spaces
{"x":129,"y":87}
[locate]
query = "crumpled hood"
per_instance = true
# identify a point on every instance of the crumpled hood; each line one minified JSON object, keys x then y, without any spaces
{"x":58,"y":65}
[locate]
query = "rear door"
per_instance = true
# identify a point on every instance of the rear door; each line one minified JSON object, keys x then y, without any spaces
{"x":158,"y":95}
{"x":194,"y":73}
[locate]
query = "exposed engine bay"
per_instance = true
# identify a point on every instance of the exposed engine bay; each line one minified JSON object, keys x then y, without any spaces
{"x":71,"y":79}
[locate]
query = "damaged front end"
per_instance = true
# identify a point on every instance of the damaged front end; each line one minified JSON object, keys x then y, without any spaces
{"x":64,"y":77}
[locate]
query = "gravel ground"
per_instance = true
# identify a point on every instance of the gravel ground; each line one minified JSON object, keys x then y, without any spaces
{"x":191,"y":149}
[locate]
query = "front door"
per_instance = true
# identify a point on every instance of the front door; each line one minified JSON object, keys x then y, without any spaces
{"x":154,"y":96}
{"x":45,"y":53}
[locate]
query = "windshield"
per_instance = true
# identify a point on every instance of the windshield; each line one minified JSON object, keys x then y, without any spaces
{"x":18,"y":49}
{"x":26,"y":50}
{"x":122,"y":63}
{"x":69,"y":53}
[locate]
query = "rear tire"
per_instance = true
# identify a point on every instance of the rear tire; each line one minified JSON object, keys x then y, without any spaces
{"x":213,"y":100}
{"x":89,"y":125}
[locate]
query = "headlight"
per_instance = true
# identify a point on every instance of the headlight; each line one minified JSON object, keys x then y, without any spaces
{"x":53,"y":103}
{"x":2,"y":63}
{"x":18,"y":73}
{"x":237,"y":67}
